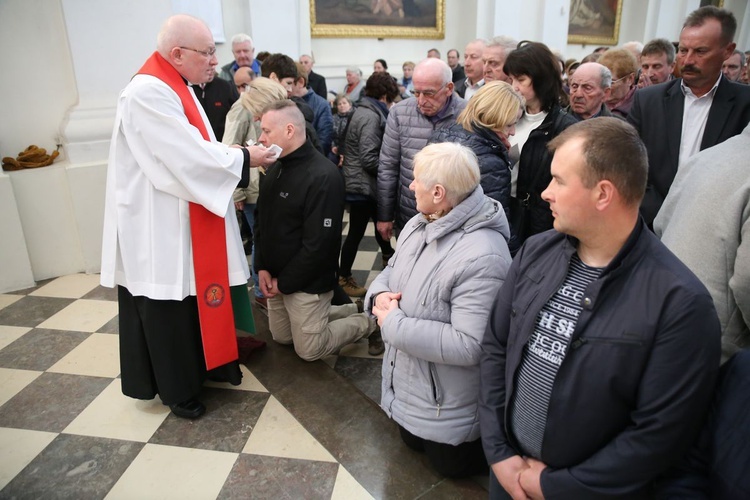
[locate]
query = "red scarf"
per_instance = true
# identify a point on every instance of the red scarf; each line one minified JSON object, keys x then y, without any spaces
{"x":209,"y":240}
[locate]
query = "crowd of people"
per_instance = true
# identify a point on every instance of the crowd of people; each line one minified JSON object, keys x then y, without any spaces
{"x":567,"y":304}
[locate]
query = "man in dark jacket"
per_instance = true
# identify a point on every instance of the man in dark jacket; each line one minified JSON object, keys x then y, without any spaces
{"x":602,"y":350}
{"x":297,"y":239}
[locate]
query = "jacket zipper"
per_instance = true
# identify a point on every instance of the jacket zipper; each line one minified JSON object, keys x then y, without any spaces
{"x":583,"y":340}
{"x":436,"y":393}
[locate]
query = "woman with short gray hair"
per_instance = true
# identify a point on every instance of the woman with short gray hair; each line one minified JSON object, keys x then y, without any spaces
{"x":432,"y":303}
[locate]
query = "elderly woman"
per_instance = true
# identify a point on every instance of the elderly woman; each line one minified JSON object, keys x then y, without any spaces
{"x":484,"y":126}
{"x":432,"y":303}
{"x":624,"y":67}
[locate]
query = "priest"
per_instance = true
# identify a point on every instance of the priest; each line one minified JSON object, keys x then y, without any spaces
{"x":171,"y":242}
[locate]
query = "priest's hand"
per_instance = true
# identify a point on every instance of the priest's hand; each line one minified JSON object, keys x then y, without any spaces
{"x":268,"y":286}
{"x":260,"y":156}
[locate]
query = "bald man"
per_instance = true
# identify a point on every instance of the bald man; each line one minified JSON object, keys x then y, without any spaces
{"x":169,"y":192}
{"x":297,"y":241}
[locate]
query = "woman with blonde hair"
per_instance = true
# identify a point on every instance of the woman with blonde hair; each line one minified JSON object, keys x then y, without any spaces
{"x":243,"y":126}
{"x":484,"y":127}
{"x":433,"y":302}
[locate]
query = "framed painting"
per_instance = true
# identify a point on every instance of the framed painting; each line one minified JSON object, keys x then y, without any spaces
{"x":377,"y":18}
{"x":594,"y":21}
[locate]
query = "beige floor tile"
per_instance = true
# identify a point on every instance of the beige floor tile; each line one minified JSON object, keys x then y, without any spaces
{"x":97,"y":356}
{"x":116,"y":416}
{"x":82,"y":316}
{"x":249,"y":382}
{"x":277,"y":433}
{"x":73,"y":286}
{"x":18,"y":447}
{"x":8,"y":299}
{"x":364,"y":260}
{"x":10,"y":334}
{"x":13,"y":381}
{"x":171,"y":472}
{"x":347,"y":487}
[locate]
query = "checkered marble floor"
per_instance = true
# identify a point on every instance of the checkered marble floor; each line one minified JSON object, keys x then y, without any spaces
{"x":292,"y":429}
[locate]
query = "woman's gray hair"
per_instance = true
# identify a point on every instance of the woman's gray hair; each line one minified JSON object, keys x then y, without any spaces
{"x":451,"y":165}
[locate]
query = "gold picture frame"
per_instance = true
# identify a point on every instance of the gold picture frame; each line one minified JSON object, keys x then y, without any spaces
{"x":377,"y":19}
{"x":594,"y":22}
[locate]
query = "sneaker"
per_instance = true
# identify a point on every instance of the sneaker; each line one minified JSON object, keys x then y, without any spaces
{"x":351,"y":287}
{"x":375,"y":345}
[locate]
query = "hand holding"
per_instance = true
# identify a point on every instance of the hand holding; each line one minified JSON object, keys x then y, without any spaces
{"x":508,"y":473}
{"x":531,"y":479}
{"x":266,"y":283}
{"x":260,"y":156}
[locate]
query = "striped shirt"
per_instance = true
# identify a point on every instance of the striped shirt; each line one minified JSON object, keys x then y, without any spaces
{"x":543,"y":355}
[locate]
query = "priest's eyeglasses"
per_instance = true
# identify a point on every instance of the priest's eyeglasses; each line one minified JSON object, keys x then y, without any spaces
{"x":206,"y":53}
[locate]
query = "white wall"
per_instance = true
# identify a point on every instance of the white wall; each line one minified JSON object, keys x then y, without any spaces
{"x":66,"y":61}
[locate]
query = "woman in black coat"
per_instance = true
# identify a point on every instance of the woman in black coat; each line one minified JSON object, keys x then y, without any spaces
{"x":535,"y":74}
{"x":484,"y":126}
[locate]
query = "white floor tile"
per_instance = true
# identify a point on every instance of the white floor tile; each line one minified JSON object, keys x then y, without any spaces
{"x":82,"y":316}
{"x":249,"y":382}
{"x":116,"y":416}
{"x":73,"y":286}
{"x":13,"y":381}
{"x":7,"y":299}
{"x":171,"y":472}
{"x":97,"y":356}
{"x":9,"y":334}
{"x":347,"y":487}
{"x":278,"y":434}
{"x":364,"y":260}
{"x":18,"y":447}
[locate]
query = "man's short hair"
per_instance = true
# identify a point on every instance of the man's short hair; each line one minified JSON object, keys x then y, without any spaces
{"x":290,"y":111}
{"x":451,"y":165}
{"x":434,"y":50}
{"x":659,"y":46}
{"x":354,"y":69}
{"x":381,"y":85}
{"x":280,"y":64}
{"x":506,"y":42}
{"x":301,"y":73}
{"x":725,"y":17}
{"x":743,"y":59}
{"x":621,"y":62}
{"x":453,"y":50}
{"x":408,"y":63}
{"x":242,"y":38}
{"x":605,"y":76}
{"x":613,"y":151}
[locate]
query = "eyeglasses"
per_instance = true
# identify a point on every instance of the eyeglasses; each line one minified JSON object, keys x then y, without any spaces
{"x":243,"y":87}
{"x":427,"y":93}
{"x":205,"y":53}
{"x":621,"y":79}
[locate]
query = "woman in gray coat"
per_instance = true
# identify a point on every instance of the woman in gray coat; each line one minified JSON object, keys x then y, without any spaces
{"x":432,"y":303}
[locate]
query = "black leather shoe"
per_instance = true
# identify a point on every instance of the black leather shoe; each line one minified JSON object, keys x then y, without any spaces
{"x":192,"y":409}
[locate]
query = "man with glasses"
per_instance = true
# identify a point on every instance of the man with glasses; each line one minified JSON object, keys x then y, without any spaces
{"x":590,"y":87}
{"x":410,"y":125}
{"x":171,"y":242}
{"x":244,"y":56}
{"x":624,"y":66}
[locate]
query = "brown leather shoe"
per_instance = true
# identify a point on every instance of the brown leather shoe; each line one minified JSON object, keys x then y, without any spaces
{"x":351,"y":287}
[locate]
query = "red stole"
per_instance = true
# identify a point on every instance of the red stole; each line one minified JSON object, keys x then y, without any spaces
{"x":209,"y":240}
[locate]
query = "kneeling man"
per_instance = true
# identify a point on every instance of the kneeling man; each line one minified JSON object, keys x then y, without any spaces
{"x":298,"y":239}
